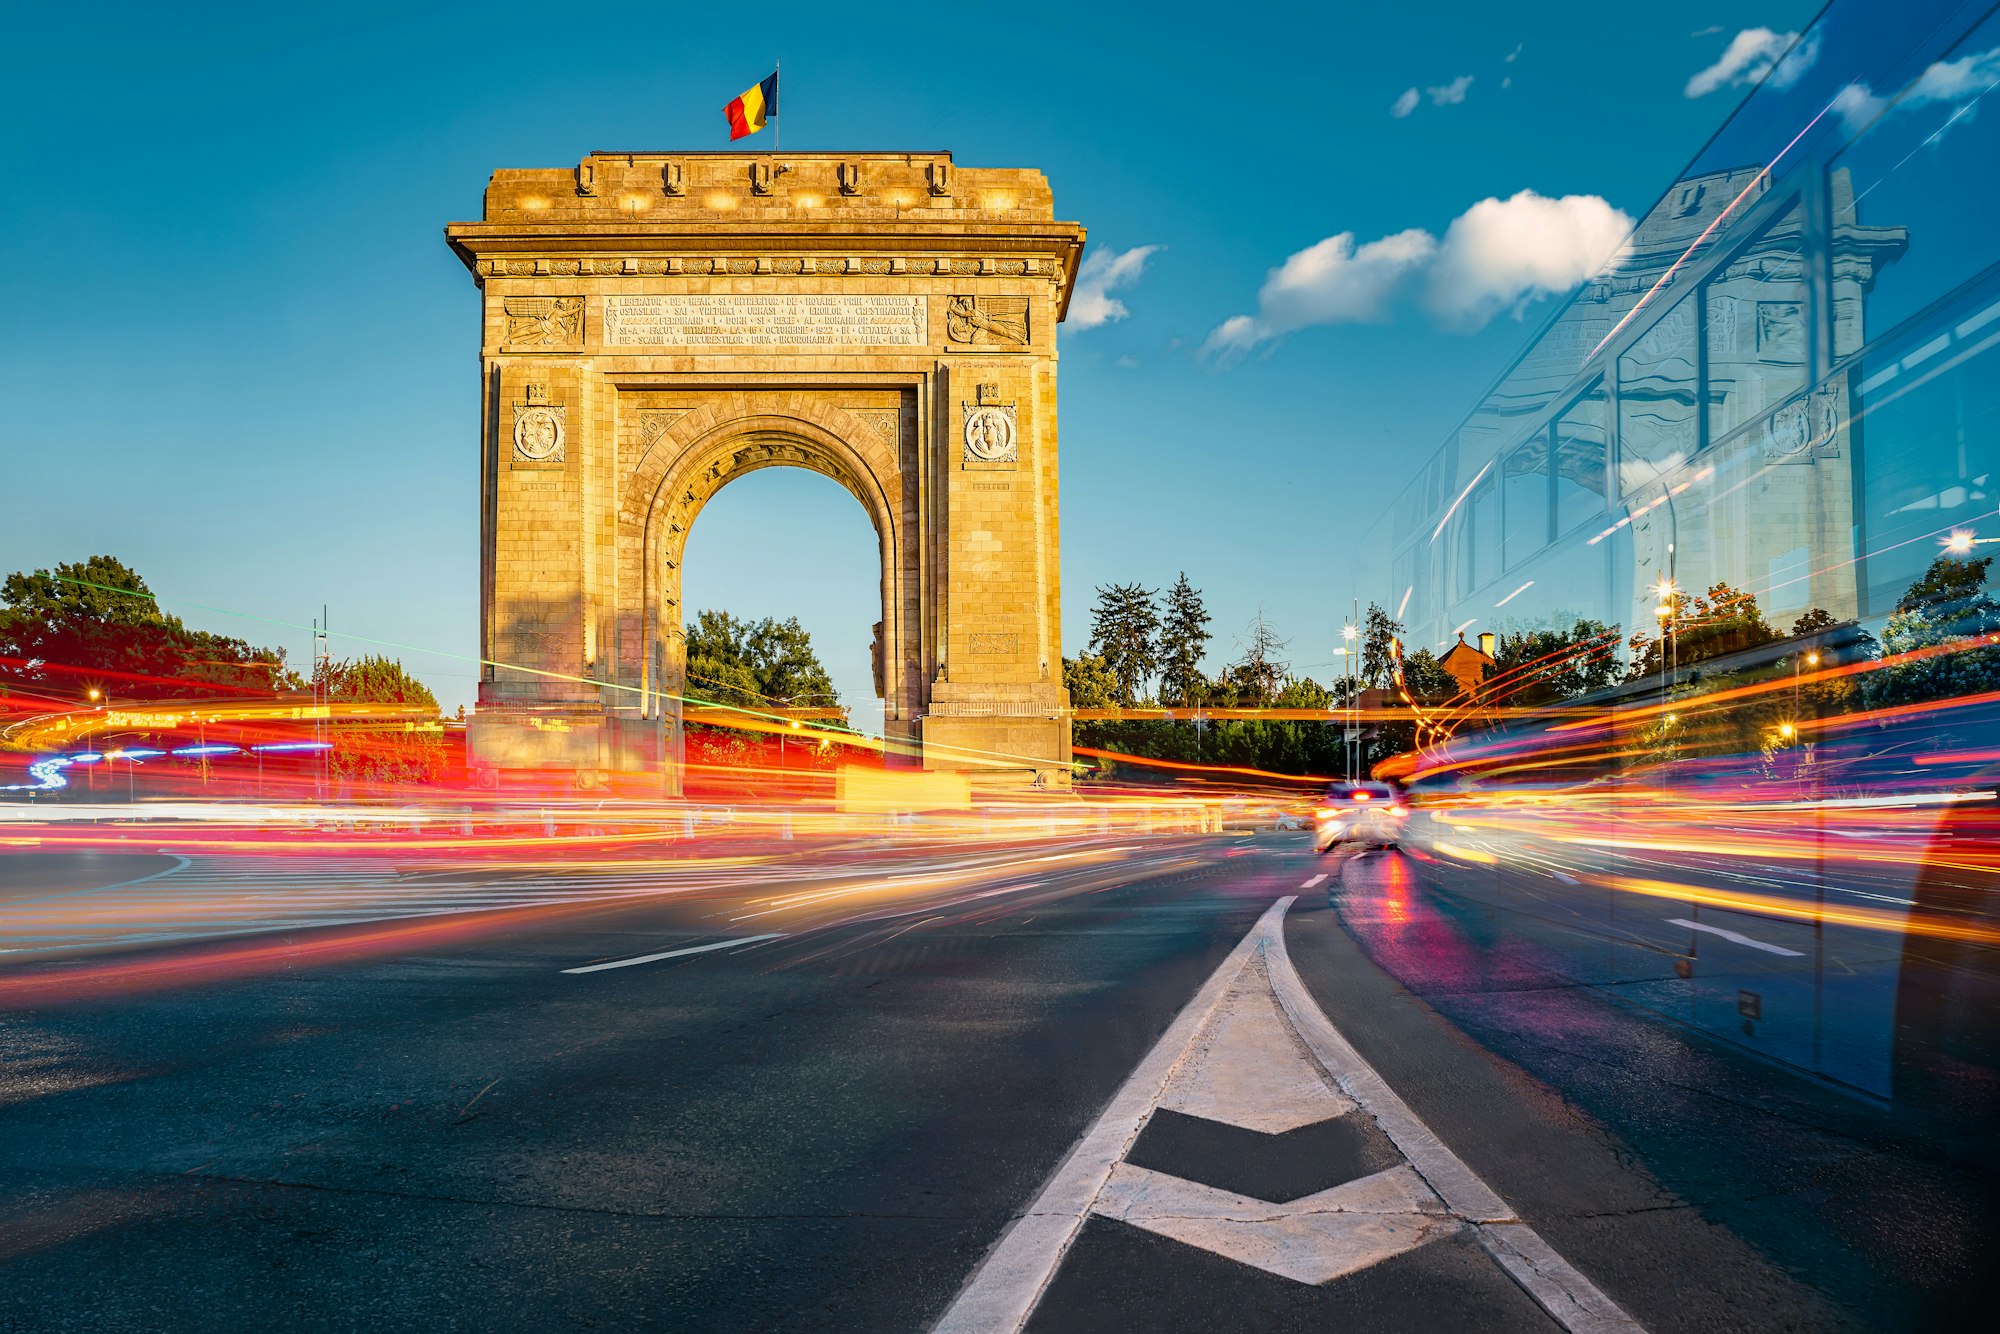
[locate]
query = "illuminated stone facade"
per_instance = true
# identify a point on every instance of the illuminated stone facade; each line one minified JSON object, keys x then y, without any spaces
{"x":657,"y":325}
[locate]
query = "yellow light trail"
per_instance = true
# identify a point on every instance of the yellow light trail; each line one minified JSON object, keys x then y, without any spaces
{"x":1764,"y":905}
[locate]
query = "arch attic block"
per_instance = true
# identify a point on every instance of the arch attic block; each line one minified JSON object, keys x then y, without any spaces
{"x":654,"y":325}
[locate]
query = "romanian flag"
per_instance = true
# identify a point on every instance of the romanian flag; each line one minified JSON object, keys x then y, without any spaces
{"x":748,"y":113}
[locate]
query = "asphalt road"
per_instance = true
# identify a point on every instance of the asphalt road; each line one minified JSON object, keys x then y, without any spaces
{"x":304,"y":1111}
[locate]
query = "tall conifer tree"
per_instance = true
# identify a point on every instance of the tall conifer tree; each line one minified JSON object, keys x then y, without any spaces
{"x":1183,"y":639}
{"x":1124,"y":626}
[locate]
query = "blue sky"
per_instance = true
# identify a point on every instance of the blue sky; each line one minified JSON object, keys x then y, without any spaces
{"x":241,"y":358}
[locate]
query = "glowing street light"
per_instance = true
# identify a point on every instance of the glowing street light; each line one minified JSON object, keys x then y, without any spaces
{"x":1963,"y":540}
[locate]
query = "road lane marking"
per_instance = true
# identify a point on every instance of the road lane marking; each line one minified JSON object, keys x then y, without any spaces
{"x":676,"y":954}
{"x":1736,"y":936}
{"x":1318,"y":879}
{"x":1314,"y":1239}
{"x":1570,"y":1299}
{"x":1004,"y":1289}
{"x":181,"y":864}
{"x":1337,"y":1232}
{"x":1245,"y":1068}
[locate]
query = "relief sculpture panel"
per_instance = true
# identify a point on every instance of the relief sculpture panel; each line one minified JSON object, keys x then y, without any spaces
{"x":544,"y":321}
{"x":987,"y":320}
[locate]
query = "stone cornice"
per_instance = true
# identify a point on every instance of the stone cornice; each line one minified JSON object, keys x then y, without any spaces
{"x":840,"y":213}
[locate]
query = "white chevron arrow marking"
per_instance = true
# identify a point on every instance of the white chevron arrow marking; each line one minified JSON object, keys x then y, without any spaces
{"x":1311,"y":1240}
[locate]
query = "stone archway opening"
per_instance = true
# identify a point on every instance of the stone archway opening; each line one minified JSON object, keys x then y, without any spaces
{"x":788,"y":543}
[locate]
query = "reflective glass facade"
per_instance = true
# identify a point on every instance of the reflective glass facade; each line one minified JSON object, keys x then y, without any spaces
{"x":1789,"y":380}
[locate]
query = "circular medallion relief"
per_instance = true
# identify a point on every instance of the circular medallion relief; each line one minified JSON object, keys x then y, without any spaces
{"x":538,"y":434}
{"x":989,"y":435}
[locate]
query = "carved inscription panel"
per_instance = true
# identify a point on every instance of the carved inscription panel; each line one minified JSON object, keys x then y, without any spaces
{"x":765,"y":321}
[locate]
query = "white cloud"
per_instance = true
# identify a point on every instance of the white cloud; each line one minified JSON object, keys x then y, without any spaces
{"x":1404,"y":104}
{"x":1450,"y":94}
{"x":1127,"y":363}
{"x":1957,"y":82}
{"x":1513,"y":55}
{"x":1856,"y":105}
{"x":1751,"y":55}
{"x":1499,"y":255}
{"x":1104,"y":270}
{"x":1796,"y":62}
{"x":1709,"y":31}
{"x":1502,"y":254}
{"x":1331,"y":282}
{"x":1507,"y":82}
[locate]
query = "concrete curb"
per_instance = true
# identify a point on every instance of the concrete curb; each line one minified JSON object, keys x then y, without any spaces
{"x":1570,"y":1299}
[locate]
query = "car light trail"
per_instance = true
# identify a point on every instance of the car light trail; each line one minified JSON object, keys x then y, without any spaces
{"x":1766,"y":905}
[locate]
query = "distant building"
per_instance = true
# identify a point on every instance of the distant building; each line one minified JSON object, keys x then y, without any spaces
{"x":1467,"y":665}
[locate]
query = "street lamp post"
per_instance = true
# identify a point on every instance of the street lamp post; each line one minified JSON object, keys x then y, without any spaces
{"x":1349,"y":745}
{"x":1667,"y":612}
{"x":1798,"y":664}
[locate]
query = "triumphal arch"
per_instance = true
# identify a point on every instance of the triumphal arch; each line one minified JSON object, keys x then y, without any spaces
{"x":656,"y":325}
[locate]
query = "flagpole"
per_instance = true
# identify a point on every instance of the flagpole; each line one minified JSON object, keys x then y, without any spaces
{"x":778,"y":126}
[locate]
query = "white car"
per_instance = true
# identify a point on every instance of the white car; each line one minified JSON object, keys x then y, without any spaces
{"x":1365,"y":813}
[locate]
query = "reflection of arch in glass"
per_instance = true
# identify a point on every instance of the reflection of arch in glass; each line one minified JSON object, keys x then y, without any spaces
{"x":1754,"y":308}
{"x":1657,"y":376}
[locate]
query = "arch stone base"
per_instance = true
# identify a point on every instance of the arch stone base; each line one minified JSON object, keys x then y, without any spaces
{"x":655,"y":326}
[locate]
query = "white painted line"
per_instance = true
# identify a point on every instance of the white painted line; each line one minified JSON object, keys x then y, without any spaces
{"x":181,"y":864}
{"x":1572,"y":1300}
{"x":1314,"y":881}
{"x":1736,"y":936}
{"x":1003,"y":1290}
{"x":1566,"y":878}
{"x":675,"y":954}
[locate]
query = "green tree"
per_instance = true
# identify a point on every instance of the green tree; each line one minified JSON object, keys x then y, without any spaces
{"x":1724,"y":621}
{"x":1537,"y":667}
{"x":1123,"y":629}
{"x":1090,"y":682}
{"x":1948,"y":607}
{"x":390,"y":749}
{"x":1183,"y":639}
{"x":1302,"y":692}
{"x":1377,"y":632}
{"x":755,"y":664}
{"x":95,"y":624}
{"x":1953,"y":592}
{"x":1426,"y":679}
